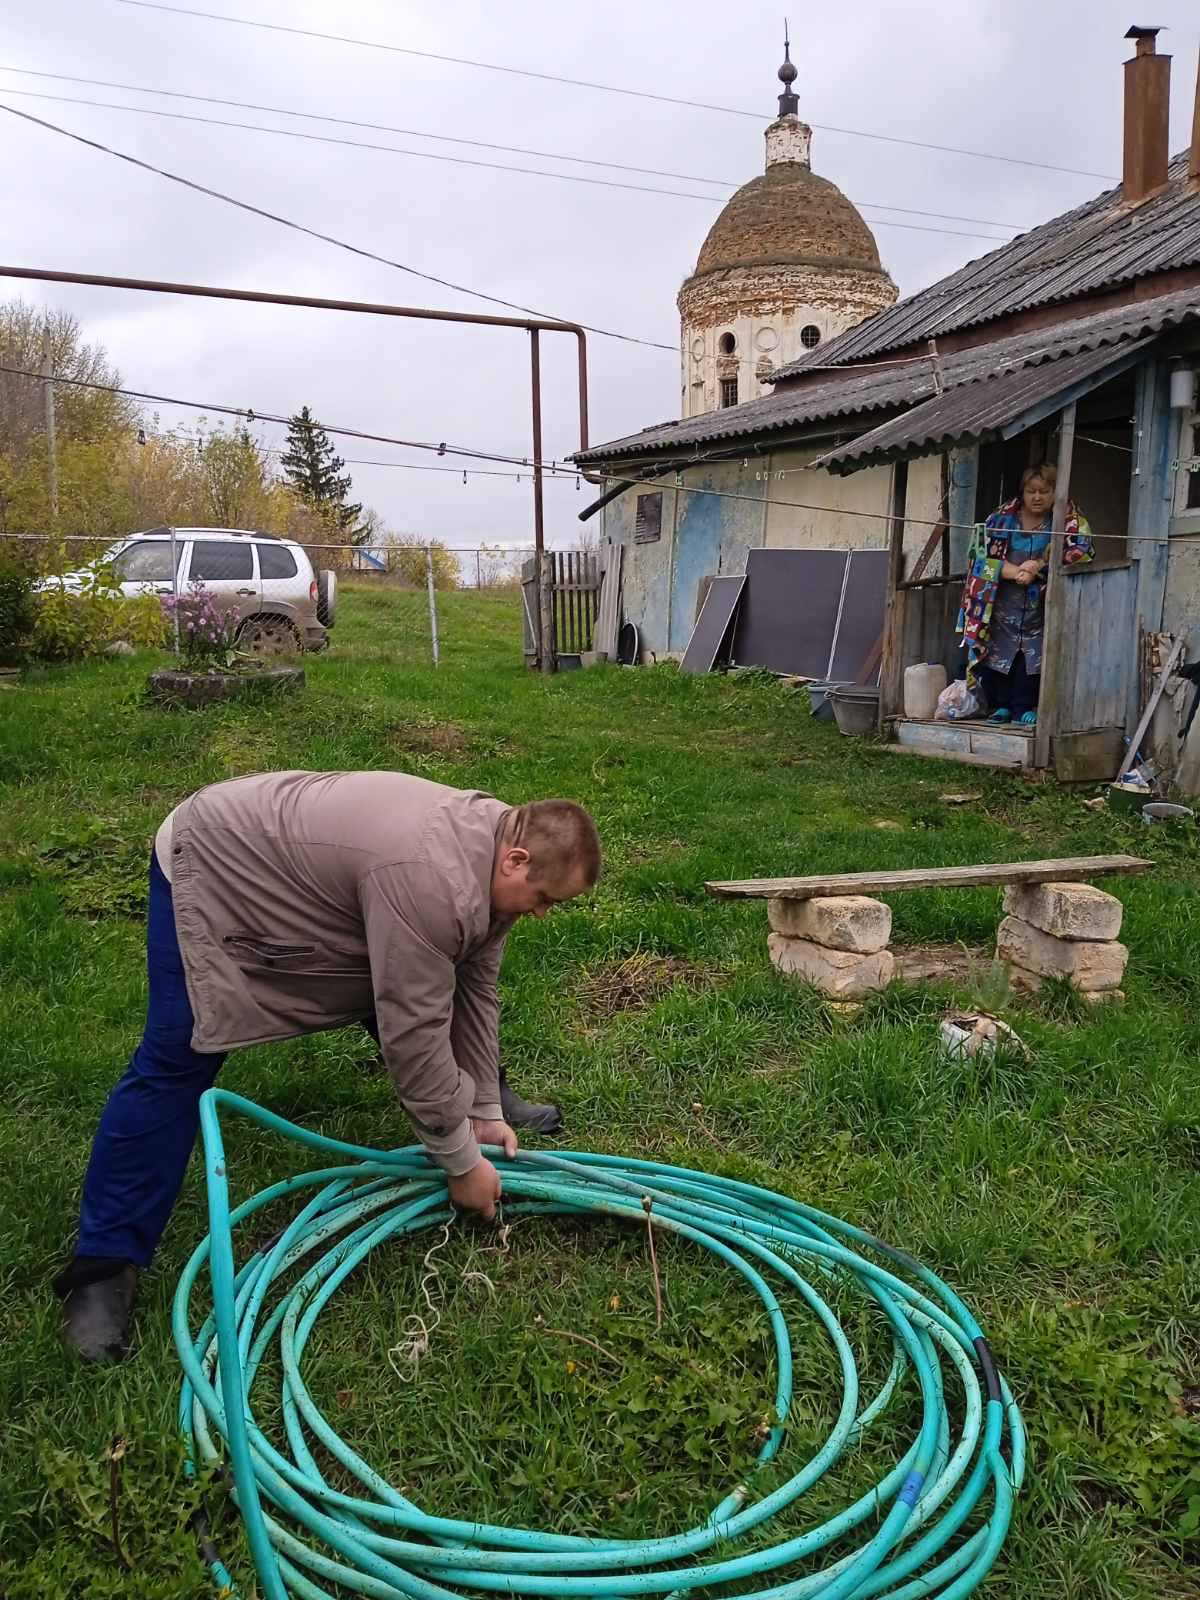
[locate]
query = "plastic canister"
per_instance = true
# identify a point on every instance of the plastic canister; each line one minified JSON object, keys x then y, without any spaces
{"x":922,"y":685}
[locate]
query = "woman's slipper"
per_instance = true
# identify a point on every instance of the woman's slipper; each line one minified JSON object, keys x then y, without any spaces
{"x":1001,"y":715}
{"x":1028,"y":719}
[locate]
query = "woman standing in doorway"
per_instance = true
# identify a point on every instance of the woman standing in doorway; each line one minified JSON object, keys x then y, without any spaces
{"x":1003,"y":615}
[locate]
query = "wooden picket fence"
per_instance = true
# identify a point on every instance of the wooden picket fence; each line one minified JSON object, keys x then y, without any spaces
{"x":575,"y":602}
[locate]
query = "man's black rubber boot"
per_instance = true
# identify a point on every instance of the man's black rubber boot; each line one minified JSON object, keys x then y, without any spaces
{"x":97,"y":1299}
{"x":519,"y":1113}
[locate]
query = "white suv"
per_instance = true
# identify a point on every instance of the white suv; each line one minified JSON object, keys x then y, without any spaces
{"x":281,"y":603}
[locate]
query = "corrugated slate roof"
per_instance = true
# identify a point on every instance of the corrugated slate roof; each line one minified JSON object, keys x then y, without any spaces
{"x":974,"y":410}
{"x":901,"y":385}
{"x":1094,"y":247}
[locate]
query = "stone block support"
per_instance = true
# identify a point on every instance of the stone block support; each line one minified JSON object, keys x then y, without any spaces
{"x":1066,"y":910}
{"x":1088,"y":964}
{"x":839,"y":922}
{"x":842,"y":974}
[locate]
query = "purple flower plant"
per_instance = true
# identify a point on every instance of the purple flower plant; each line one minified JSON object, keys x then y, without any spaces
{"x":205,"y":635}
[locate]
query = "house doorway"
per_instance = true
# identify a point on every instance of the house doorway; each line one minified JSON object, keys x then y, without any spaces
{"x":1080,"y":625}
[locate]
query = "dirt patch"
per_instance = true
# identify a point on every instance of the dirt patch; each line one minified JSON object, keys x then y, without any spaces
{"x":933,"y":963}
{"x":429,"y":738}
{"x":637,"y":982}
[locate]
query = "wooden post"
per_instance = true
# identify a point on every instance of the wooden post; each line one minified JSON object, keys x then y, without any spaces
{"x":893,"y":622}
{"x":1054,"y":646}
{"x":51,"y":430}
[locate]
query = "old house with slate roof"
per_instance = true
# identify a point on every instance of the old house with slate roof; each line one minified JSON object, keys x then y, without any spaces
{"x":1077,"y":342}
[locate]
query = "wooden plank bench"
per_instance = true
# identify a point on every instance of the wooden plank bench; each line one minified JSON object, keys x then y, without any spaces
{"x":1073,"y":869}
{"x":828,"y":931}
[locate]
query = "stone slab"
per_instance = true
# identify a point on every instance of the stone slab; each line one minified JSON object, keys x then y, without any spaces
{"x":842,"y":974}
{"x":1066,"y":910}
{"x":849,"y":922}
{"x":1086,"y":963}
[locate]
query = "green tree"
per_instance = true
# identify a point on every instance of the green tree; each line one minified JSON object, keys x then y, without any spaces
{"x":314,"y":471}
{"x":83,"y":415}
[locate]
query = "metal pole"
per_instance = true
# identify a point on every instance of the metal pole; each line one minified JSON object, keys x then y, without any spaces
{"x":432,"y":602}
{"x":175,"y":587}
{"x":372,"y":308}
{"x":548,"y":660}
{"x":51,"y":430}
{"x":478,"y":571}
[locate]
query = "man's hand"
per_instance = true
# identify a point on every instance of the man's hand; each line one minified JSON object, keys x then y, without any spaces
{"x":477,"y":1190}
{"x":500,"y":1133}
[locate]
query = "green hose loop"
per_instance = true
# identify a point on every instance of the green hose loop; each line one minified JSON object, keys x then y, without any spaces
{"x":932,"y":1526}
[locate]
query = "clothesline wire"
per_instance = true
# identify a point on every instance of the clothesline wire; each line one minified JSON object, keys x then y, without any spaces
{"x":840,"y":511}
{"x":555,"y":469}
{"x":252,"y":414}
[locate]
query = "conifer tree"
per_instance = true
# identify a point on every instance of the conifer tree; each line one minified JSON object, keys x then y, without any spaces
{"x":314,"y":471}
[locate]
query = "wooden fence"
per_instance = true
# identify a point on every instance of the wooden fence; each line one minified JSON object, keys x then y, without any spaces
{"x":574,"y":578}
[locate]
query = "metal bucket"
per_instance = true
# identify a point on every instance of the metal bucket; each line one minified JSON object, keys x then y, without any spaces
{"x":856,"y":709}
{"x":1129,"y":797}
{"x":820,"y":701}
{"x":1162,"y":811}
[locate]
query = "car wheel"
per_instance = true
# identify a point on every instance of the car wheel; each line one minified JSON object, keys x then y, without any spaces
{"x":269,"y":636}
{"x":326,"y":597}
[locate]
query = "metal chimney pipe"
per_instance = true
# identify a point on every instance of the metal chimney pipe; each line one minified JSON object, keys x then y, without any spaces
{"x":1147,"y":119}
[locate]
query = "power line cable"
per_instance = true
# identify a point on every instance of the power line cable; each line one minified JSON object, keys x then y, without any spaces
{"x":458,"y":161}
{"x":418,"y":133}
{"x":355,"y":122}
{"x":326,"y":238}
{"x":606,"y":88}
{"x":362,"y":144}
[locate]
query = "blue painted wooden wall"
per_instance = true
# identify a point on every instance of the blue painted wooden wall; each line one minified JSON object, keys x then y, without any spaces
{"x":697,"y":554}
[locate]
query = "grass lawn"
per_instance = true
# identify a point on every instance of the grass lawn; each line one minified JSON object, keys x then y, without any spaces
{"x":1060,"y":1196}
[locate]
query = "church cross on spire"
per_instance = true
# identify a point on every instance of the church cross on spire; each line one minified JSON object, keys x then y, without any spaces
{"x":789,"y":102}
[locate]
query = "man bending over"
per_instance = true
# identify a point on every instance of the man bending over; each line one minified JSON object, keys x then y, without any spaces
{"x":290,"y":902}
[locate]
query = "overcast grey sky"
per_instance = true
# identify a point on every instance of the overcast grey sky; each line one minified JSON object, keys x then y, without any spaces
{"x":1021,"y":78}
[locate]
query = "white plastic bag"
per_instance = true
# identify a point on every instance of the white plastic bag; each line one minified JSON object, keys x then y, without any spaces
{"x":957,"y":703}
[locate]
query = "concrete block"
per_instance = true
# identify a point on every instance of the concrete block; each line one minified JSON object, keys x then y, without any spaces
{"x":1086,"y":963}
{"x":842,"y":974}
{"x":839,"y":922}
{"x":1066,"y":910}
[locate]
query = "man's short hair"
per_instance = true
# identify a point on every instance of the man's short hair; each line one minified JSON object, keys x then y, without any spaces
{"x":561,"y":839}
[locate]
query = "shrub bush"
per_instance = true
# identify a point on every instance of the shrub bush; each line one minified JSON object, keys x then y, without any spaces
{"x":69,"y":626}
{"x":16,"y":615}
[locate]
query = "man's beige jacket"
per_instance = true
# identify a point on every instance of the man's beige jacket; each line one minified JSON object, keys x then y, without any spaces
{"x":308,"y":900}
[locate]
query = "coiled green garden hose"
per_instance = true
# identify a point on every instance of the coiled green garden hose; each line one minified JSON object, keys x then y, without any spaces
{"x":963,"y":1466}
